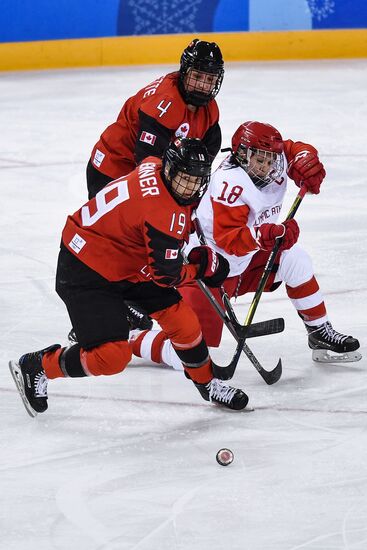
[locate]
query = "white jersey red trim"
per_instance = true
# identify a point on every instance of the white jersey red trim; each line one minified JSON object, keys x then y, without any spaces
{"x":231,"y":209}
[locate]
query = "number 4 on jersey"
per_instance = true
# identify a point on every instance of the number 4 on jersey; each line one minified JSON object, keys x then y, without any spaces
{"x":161,"y":107}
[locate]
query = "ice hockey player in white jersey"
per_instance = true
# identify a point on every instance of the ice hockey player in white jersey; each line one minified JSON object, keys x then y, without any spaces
{"x":239,"y":217}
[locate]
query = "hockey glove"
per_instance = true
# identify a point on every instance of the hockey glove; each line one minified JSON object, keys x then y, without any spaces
{"x":267,"y":233}
{"x":213,"y":269}
{"x":306,"y":169}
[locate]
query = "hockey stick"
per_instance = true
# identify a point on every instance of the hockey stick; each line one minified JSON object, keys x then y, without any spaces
{"x":226,"y":372}
{"x":263,"y":328}
{"x":240,"y":332}
{"x":230,"y":369}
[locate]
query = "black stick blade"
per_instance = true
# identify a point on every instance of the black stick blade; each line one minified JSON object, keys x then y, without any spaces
{"x":271,"y":377}
{"x":262,"y":328}
{"x":227,"y":372}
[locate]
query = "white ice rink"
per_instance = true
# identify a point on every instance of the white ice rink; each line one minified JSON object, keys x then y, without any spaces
{"x":128,"y":462}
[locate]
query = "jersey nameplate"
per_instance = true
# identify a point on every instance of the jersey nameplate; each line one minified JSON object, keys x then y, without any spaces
{"x":147,"y":180}
{"x":152,"y":88}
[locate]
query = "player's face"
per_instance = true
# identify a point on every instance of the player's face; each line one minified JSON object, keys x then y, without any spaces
{"x":261,"y":163}
{"x":185,"y":186}
{"x":198,"y":81}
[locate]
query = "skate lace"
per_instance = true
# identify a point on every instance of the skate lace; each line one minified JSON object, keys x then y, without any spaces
{"x":332,"y":335}
{"x":40,"y":385}
{"x":219,"y":391}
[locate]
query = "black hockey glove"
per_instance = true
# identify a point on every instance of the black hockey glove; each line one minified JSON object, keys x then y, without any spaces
{"x":213,"y":268}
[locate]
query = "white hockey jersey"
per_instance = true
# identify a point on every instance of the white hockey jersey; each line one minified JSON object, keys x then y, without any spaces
{"x":231,"y":209}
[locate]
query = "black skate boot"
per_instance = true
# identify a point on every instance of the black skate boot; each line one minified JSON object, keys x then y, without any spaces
{"x":222,"y":394}
{"x":330,"y":346}
{"x":31,"y":380}
{"x":137,"y":318}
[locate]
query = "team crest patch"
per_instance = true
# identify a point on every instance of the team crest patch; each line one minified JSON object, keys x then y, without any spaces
{"x":171,"y":254}
{"x":77,"y":243}
{"x":183,"y":130}
{"x":148,"y":138}
{"x":98,"y":158}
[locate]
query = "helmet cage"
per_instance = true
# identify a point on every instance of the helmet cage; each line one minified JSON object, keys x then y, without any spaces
{"x":181,"y":162}
{"x":243,"y":157}
{"x":205,"y":58}
{"x":182,"y":184}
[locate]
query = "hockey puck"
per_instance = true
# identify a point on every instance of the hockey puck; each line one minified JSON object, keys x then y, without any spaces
{"x":224,"y":457}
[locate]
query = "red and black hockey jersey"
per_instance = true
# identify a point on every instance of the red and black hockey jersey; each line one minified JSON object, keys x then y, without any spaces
{"x":133,"y":230}
{"x":146,"y":124}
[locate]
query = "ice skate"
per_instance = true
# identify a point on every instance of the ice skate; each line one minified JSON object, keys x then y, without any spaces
{"x":222,"y":394}
{"x":330,"y":346}
{"x":31,"y":381}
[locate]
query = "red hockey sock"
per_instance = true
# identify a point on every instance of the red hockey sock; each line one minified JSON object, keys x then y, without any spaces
{"x":148,"y":345}
{"x":201,"y":375}
{"x":50,"y":363}
{"x":308,"y":301}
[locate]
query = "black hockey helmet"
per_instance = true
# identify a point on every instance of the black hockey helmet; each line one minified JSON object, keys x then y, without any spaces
{"x":183,"y":158}
{"x":206,"y":58}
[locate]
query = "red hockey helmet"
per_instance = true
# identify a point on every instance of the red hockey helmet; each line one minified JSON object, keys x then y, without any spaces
{"x":258,"y":148}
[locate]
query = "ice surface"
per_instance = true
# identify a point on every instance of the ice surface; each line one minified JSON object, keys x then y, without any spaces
{"x":128,"y":462}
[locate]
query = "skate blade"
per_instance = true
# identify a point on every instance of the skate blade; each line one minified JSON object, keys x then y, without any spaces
{"x":19,"y":382}
{"x":324,"y":356}
{"x":247,"y":409}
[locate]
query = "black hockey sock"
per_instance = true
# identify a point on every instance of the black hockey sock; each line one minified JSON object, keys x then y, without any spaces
{"x":70,"y":362}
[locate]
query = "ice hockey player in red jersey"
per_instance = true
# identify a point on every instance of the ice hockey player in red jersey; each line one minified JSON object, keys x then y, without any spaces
{"x":239,"y":217}
{"x":179,"y":104}
{"x":125,"y":244}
